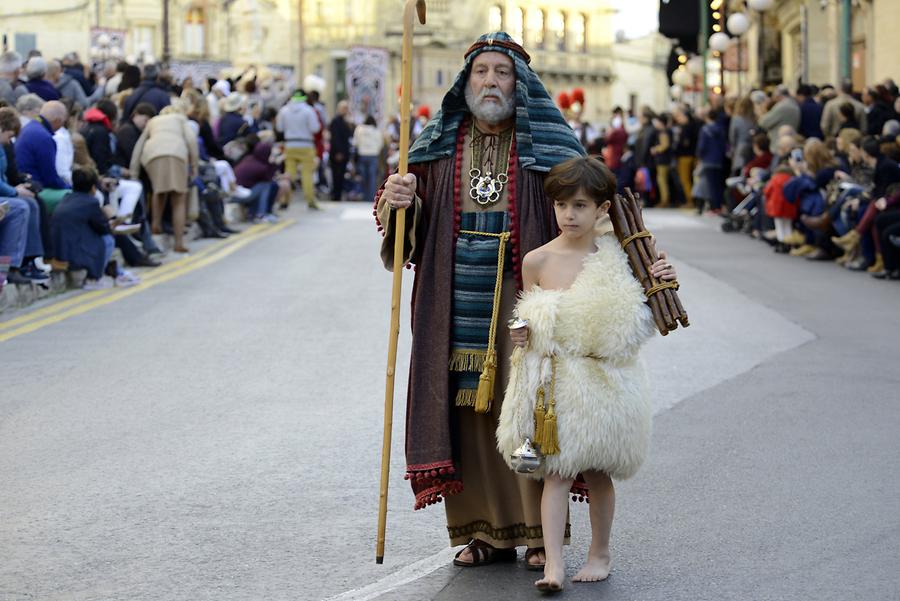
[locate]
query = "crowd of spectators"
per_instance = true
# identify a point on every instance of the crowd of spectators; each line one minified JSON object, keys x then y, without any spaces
{"x":813,"y":172}
{"x":122,"y":156}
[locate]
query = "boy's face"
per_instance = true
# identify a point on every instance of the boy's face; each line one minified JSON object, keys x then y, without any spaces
{"x":578,"y":215}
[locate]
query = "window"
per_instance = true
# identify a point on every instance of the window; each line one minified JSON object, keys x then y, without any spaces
{"x":143,"y":40}
{"x":495,"y":18}
{"x":536,"y":28}
{"x":517,"y":25}
{"x":25,"y":43}
{"x":194,"y":32}
{"x":578,"y":24}
{"x":557,"y":26}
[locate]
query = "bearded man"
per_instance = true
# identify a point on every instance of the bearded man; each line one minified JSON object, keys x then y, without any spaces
{"x":476,"y":205}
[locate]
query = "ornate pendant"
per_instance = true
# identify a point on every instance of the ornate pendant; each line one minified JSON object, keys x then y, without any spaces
{"x":484,"y":189}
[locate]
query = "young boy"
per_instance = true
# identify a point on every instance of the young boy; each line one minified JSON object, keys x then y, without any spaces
{"x":576,"y":388}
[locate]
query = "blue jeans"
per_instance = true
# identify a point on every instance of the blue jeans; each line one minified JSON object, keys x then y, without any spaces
{"x":714,"y":179}
{"x":14,"y":231}
{"x":368,"y":171}
{"x":109,"y":243}
{"x":261,"y":199}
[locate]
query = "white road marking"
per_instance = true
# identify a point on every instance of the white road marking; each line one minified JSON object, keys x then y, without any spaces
{"x":399,"y":578}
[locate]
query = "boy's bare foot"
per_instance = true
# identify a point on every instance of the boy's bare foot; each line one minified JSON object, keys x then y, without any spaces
{"x":553,"y":578}
{"x":595,"y":570}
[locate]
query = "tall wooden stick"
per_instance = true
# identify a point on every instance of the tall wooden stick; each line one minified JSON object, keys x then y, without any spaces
{"x":399,"y":242}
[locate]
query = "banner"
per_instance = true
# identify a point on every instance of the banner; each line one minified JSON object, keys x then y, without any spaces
{"x":367,"y":69}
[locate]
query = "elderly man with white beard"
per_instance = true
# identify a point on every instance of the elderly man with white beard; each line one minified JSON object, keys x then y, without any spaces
{"x":477,"y":206}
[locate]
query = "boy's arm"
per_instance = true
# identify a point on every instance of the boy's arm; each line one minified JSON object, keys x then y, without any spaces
{"x":531,"y":270}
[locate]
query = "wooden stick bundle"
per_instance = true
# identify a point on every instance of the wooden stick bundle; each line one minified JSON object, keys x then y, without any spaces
{"x":662,"y":297}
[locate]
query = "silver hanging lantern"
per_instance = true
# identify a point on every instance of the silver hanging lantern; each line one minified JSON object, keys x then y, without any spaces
{"x":526,"y":459}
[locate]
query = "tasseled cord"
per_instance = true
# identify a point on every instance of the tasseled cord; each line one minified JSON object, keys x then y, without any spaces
{"x":545,"y":435}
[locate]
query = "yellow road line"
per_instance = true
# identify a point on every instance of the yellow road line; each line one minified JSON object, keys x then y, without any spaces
{"x":58,"y":307}
{"x":121,"y":293}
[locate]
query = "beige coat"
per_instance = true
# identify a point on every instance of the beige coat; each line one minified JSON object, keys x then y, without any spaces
{"x":831,"y":123}
{"x":165,"y":135}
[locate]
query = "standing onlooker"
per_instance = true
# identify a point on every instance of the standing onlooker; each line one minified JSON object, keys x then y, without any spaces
{"x":785,"y":111}
{"x":830,"y":122}
{"x":878,"y":109}
{"x":150,"y":90}
{"x":167,"y":151}
{"x":711,"y":154}
{"x":129,"y":132}
{"x":810,"y":113}
{"x":11,"y":89}
{"x":645,"y":139}
{"x":298,"y":122}
{"x":686,"y":131}
{"x":319,"y":139}
{"x":131,"y":79}
{"x":662,"y":157}
{"x":740,"y":133}
{"x":615,"y":141}
{"x":29,"y":107}
{"x":369,"y":141}
{"x":340,"y":131}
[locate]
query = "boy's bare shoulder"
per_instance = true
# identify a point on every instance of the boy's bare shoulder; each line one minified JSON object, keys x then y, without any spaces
{"x":536,"y":258}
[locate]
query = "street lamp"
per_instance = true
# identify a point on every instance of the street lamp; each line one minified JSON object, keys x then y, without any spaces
{"x":761,"y":6}
{"x":738,"y":24}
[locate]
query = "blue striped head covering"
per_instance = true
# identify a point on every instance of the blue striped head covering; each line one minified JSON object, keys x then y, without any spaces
{"x":543,"y":138}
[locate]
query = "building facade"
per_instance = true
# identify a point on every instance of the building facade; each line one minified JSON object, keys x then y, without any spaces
{"x":802,"y":42}
{"x":571,"y":46}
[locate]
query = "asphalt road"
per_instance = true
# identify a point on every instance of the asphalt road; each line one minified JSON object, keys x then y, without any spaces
{"x":217,"y":436}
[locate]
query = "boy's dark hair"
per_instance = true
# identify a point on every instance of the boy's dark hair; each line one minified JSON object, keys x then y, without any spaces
{"x":761,"y":141}
{"x":871,"y":146}
{"x":581,"y":173}
{"x":847,"y":110}
{"x":9,"y":120}
{"x":84,"y":179}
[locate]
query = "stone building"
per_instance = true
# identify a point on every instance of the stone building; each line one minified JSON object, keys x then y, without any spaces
{"x":571,"y":44}
{"x":802,"y":41}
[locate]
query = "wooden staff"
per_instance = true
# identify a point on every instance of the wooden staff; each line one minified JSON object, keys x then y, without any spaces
{"x":399,"y":241}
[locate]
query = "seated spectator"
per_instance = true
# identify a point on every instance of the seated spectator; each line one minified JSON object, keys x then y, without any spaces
{"x":99,"y":136}
{"x":878,"y":109}
{"x":150,"y":91}
{"x":68,"y":87}
{"x":65,"y":148}
{"x":22,"y":193}
{"x":167,"y":151}
{"x":886,"y":174}
{"x":780,"y":209}
{"x":128,"y":134}
{"x":82,"y":237}
{"x":887,"y":232}
{"x":36,"y":152}
{"x":803,"y":192}
{"x":20,"y":236}
{"x":11,"y":89}
{"x":232,"y":124}
{"x":36,"y":71}
{"x":29,"y":107}
{"x":130,"y":80}
{"x":256,"y":172}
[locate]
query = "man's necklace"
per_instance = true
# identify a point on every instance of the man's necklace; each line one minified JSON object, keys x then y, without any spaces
{"x":489,"y":165}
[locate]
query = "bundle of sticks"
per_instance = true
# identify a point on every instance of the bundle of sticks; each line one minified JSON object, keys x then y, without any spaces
{"x":637,"y":242}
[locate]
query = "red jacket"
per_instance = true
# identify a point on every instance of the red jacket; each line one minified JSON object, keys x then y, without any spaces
{"x":776,"y":204}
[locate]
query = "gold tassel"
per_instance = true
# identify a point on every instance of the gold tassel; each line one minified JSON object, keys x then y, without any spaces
{"x":539,"y":418}
{"x":550,"y":444}
{"x":485,"y":395}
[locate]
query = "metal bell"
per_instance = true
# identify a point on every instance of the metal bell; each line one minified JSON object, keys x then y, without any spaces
{"x":526,"y":459}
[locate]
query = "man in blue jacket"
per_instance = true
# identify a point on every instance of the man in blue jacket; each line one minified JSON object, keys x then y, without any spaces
{"x":711,"y":153}
{"x":810,"y":113}
{"x":36,"y":152}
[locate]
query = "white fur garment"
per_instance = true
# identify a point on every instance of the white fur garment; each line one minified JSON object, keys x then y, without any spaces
{"x":595,"y":329}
